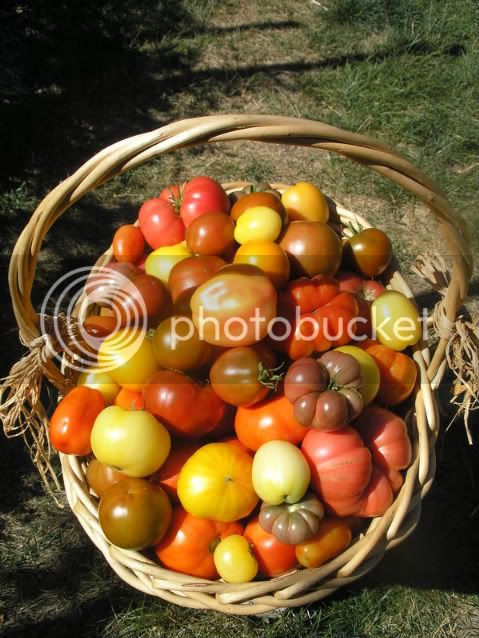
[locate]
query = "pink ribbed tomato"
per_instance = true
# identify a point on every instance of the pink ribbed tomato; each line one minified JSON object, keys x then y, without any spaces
{"x":340,"y":468}
{"x":378,"y":495}
{"x":385,"y":434}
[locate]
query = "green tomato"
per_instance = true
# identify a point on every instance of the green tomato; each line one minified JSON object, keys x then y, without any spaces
{"x":280,"y":473}
{"x":371,"y":377}
{"x":131,"y":441}
{"x":259,"y":223}
{"x":234,"y":560}
{"x":395,"y":320}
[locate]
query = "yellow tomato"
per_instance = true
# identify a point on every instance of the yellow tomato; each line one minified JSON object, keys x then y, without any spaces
{"x":160,"y":262}
{"x":128,"y":358}
{"x":234,"y":560}
{"x":369,"y":370}
{"x":132,"y":441}
{"x":305,"y":202}
{"x":215,"y":483}
{"x":395,"y":320}
{"x":100,"y":381}
{"x":268,"y":256}
{"x":258,"y":223}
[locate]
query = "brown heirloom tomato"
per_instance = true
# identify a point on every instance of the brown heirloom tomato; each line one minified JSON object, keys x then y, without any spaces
{"x":177,"y":345}
{"x":100,"y":477}
{"x":211,"y":234}
{"x":134,"y":513}
{"x":313,"y":248}
{"x":184,"y":406}
{"x":187,"y":275}
{"x":144,"y":296}
{"x":368,"y":251}
{"x":243,"y":376}
{"x":292,"y":523}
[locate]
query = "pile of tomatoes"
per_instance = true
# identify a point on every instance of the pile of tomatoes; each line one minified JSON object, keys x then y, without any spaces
{"x":247,"y":432}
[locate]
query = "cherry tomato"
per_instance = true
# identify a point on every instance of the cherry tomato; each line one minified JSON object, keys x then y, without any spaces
{"x":161,"y":261}
{"x":240,"y":375}
{"x":134,"y":514}
{"x":270,"y":420}
{"x":167,"y":475}
{"x":160,"y":223}
{"x":395,"y":320}
{"x":235,"y":306}
{"x":202,"y":195}
{"x":177,"y":345}
{"x":129,"y":400}
{"x":100,"y":476}
{"x":190,"y":542}
{"x":183,"y":405}
{"x":333,"y":537}
{"x":129,"y":358}
{"x":211,"y":234}
{"x":72,"y":421}
{"x":274,"y":557}
{"x":369,"y":251}
{"x":268,"y":256}
{"x":259,"y":198}
{"x":128,"y":243}
{"x":305,"y":202}
{"x":313,"y":248}
{"x":258,"y":224}
{"x":235,"y":560}
{"x":187,"y":275}
{"x":142,"y":297}
{"x":216,"y":483}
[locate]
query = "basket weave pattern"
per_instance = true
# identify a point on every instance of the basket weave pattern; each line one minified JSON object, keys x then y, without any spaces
{"x":305,"y":585}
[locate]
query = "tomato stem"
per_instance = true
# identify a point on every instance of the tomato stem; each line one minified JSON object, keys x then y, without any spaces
{"x":270,"y":377}
{"x":355,"y":227}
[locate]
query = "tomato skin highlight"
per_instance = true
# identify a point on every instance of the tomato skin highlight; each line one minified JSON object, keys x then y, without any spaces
{"x":72,"y":421}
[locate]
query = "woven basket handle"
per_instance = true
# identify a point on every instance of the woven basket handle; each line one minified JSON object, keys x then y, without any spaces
{"x":136,"y":150}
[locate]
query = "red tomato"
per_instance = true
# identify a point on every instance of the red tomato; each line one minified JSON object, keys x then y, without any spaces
{"x":167,"y":475}
{"x":160,"y":224}
{"x":270,"y":420}
{"x":129,"y":400}
{"x":128,"y":243}
{"x":143,"y":296}
{"x":98,"y":326}
{"x":202,"y":195}
{"x":190,"y":542}
{"x":184,"y":406}
{"x":366,"y":291}
{"x":310,"y":294}
{"x":273,"y":556}
{"x":172,"y":194}
{"x":72,"y":422}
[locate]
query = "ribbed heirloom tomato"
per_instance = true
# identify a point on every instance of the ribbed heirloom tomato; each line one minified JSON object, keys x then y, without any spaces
{"x":216,"y":483}
{"x":190,"y":542}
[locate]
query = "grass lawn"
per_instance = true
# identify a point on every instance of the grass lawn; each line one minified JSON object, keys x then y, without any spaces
{"x":78,"y":76}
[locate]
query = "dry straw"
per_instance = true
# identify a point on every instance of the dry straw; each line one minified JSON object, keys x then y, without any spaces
{"x":22,"y":412}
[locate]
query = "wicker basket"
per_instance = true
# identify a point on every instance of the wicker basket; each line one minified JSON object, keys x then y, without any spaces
{"x":300,"y":586}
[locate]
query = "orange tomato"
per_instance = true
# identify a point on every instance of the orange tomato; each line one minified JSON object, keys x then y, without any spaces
{"x":268,"y":256}
{"x":190,"y":542}
{"x":273,"y":556}
{"x":129,"y":400}
{"x":333,"y":537}
{"x":167,"y":475}
{"x":398,"y":372}
{"x":128,"y":243}
{"x":72,"y":422}
{"x":270,"y":420}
